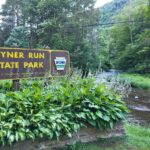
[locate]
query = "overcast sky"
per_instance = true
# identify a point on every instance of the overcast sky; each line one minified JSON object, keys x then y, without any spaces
{"x":101,"y":3}
{"x":2,"y":2}
{"x":98,"y":3}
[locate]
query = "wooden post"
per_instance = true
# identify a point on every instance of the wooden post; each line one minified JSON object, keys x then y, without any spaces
{"x":15,"y":85}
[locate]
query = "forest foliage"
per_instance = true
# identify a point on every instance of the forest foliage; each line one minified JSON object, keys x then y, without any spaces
{"x":54,"y":24}
{"x":115,"y":36}
{"x":131,"y":41}
{"x":129,"y":36}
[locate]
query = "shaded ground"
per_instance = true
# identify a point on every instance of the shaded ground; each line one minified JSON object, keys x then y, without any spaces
{"x":137,"y":138}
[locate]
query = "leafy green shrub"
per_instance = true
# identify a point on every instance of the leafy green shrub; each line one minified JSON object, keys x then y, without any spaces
{"x":5,"y":85}
{"x":56,"y":109}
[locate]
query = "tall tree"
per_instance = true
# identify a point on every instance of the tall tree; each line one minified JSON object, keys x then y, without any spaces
{"x":57,"y":24}
{"x":18,"y":36}
{"x":65,"y":25}
{"x":130,"y":42}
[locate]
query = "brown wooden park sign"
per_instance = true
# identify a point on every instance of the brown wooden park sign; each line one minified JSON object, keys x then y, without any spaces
{"x":17,"y":63}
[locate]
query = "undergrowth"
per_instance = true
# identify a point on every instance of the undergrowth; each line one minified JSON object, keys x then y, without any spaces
{"x":61,"y":107}
{"x":136,"y":80}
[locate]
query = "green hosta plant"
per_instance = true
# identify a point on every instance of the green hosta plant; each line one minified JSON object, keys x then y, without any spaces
{"x":58,"y":108}
{"x":5,"y":85}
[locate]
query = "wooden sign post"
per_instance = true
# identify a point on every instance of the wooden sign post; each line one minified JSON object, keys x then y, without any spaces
{"x":17,"y":63}
{"x":15,"y":85}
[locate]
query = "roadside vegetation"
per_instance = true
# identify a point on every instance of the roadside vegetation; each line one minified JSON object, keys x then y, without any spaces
{"x":40,"y":109}
{"x":137,"y":80}
{"x":117,"y":39}
{"x":137,"y":138}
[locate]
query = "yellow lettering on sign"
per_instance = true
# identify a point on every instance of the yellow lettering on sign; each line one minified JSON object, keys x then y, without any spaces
{"x":36,"y":65}
{"x":15,"y":64}
{"x":41,"y":65}
{"x":21,"y":55}
{"x":30,"y":55}
{"x":25,"y":64}
{"x":36,"y":55}
{"x":12,"y":54}
{"x":41,"y":55}
{"x":9,"y":65}
{"x":2,"y":65}
{"x":16,"y":55}
{"x":3,"y":54}
{"x":33,"y":65}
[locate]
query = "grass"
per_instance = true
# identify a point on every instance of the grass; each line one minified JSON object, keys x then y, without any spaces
{"x":136,"y":80}
{"x":137,"y":138}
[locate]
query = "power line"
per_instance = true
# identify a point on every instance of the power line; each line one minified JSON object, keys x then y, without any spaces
{"x":118,"y":22}
{"x":103,"y":24}
{"x":107,"y":24}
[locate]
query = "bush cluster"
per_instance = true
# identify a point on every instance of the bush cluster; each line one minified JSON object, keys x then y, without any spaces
{"x":61,"y":107}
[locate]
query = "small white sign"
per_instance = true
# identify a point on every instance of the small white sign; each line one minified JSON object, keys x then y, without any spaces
{"x":60,"y":63}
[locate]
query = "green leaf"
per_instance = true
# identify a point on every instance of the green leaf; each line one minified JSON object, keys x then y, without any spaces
{"x":120,"y":115}
{"x":92,"y":122}
{"x":93,"y":115}
{"x":81,"y":115}
{"x":69,"y":135}
{"x":11,"y":138}
{"x":31,"y":135}
{"x":17,"y":136}
{"x":111,"y":125}
{"x":99,"y":114}
{"x":21,"y":135}
{"x":106,"y":118}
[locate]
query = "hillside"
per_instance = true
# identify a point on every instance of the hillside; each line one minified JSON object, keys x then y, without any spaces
{"x":125,"y":45}
{"x":108,"y":11}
